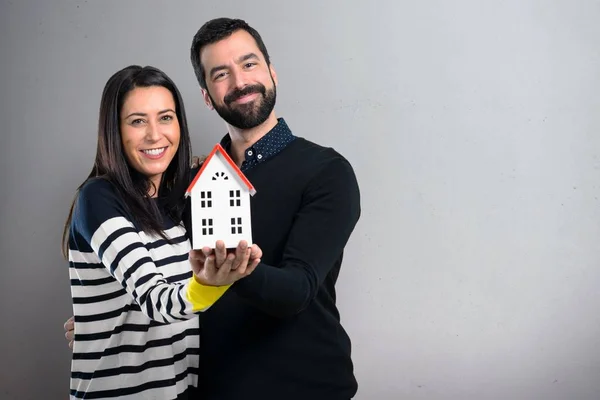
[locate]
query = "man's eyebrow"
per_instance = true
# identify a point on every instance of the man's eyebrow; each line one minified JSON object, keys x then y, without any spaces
{"x":217,"y":69}
{"x":243,"y":58}
{"x":247,"y":57}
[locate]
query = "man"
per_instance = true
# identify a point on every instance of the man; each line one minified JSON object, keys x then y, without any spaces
{"x":275,"y":334}
{"x":277,"y":331}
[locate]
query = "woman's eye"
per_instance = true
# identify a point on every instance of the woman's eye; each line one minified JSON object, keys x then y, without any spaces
{"x":167,"y":118}
{"x":137,"y":121}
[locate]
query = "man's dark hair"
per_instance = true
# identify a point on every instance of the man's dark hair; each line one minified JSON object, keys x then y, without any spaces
{"x":215,"y":30}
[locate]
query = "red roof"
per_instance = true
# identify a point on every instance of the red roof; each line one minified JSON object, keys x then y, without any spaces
{"x":235,"y":168}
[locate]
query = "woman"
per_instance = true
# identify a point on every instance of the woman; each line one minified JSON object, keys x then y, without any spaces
{"x":134,"y":294}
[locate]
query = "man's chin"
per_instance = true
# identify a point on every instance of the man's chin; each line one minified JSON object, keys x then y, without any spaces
{"x":247,"y":126}
{"x":245,"y":108}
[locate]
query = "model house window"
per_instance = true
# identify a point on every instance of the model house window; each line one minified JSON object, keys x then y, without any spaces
{"x":220,"y":175}
{"x":236,"y":225}
{"x":234,"y":198}
{"x":207,"y":224}
{"x":206,"y":199}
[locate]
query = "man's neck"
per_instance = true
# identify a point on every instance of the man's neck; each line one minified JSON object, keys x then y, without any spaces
{"x":241,"y":139}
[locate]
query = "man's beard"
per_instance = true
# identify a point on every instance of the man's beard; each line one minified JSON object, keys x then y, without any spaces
{"x":251,"y":114}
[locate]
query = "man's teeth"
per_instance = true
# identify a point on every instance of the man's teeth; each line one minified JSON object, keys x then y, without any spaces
{"x":154,"y":152}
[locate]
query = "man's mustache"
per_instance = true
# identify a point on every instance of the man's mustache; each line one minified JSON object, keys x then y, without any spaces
{"x":237,"y":93}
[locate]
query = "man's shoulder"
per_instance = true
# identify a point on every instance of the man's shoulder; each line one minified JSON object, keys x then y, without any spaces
{"x":316,"y":150}
{"x":319,"y":156}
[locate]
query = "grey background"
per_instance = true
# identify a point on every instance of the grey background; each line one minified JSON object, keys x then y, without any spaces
{"x":473,"y":129}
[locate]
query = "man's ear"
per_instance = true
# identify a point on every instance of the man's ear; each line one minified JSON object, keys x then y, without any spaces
{"x":273,"y":74}
{"x":207,"y":99}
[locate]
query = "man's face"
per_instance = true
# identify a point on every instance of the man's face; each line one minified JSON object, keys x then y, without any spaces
{"x":240,"y":85}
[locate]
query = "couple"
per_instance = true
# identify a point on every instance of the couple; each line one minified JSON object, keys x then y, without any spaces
{"x":154,"y":319}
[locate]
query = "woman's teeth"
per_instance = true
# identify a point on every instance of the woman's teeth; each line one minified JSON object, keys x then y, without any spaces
{"x":154,"y":152}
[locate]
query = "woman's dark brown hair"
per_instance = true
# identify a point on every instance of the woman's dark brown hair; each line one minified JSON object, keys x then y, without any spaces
{"x":111,"y":163}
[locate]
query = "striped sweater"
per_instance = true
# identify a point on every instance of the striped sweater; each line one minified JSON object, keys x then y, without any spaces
{"x":135,"y":303}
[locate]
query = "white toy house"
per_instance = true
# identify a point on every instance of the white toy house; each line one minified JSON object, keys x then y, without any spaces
{"x":220,"y":202}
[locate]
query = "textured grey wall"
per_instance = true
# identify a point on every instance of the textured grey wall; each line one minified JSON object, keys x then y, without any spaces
{"x":472,"y":126}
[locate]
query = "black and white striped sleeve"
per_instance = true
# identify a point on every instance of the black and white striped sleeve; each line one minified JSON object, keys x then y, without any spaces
{"x":102,"y":220}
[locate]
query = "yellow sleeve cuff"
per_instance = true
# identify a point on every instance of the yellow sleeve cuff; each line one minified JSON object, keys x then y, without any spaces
{"x":201,"y":296}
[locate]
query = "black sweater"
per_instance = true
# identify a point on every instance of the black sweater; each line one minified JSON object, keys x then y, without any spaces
{"x":277,"y":334}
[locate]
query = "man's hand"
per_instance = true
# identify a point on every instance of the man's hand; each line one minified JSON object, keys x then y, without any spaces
{"x":196,"y":160}
{"x":221,"y":252}
{"x":221,"y":268}
{"x":70,"y":331}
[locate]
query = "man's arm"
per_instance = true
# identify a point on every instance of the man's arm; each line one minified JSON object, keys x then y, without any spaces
{"x":321,"y":229}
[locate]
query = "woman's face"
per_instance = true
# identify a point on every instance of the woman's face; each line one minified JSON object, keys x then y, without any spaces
{"x":150,"y":130}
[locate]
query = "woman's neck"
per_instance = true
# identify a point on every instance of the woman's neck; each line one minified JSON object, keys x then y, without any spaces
{"x":154,"y":185}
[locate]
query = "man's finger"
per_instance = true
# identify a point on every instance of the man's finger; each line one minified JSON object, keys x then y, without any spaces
{"x":196,"y":160}
{"x":210,"y":267}
{"x":224,"y":270}
{"x":69,"y":324}
{"x":197,"y":255}
{"x":227,"y":264}
{"x":252,"y":266}
{"x":207,"y":271}
{"x":207,"y":251}
{"x":244,"y":262}
{"x":240,"y":253}
{"x":254,"y":263}
{"x":256,"y":252}
{"x":220,"y":253}
{"x":196,"y":259}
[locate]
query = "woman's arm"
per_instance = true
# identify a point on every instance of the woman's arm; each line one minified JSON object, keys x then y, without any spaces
{"x":103,"y":222}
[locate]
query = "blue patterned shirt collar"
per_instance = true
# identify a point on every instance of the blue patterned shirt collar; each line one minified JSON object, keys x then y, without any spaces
{"x":266,"y":147}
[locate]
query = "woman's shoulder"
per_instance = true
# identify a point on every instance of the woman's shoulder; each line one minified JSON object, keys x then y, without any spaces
{"x":99,"y":200}
{"x":97,"y":188}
